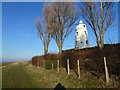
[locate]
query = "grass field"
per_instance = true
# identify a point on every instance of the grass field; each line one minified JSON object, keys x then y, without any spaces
{"x":28,"y":76}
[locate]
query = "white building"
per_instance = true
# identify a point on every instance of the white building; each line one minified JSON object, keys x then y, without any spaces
{"x":81,"y":40}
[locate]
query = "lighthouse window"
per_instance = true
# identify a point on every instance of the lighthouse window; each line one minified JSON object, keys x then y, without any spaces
{"x":85,"y":32}
{"x":76,"y":42}
{"x":83,"y":25}
{"x":86,"y":41}
{"x":77,"y":33}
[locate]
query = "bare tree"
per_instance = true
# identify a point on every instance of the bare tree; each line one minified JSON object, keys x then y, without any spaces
{"x":44,"y":34}
{"x":62,"y":16}
{"x":43,"y":27}
{"x":100,"y":16}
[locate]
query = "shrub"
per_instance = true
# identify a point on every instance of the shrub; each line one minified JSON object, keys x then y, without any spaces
{"x":72,"y":56}
{"x":48,"y":65}
{"x":90,"y":59}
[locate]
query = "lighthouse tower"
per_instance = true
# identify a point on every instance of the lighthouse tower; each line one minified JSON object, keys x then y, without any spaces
{"x":81,"y":40}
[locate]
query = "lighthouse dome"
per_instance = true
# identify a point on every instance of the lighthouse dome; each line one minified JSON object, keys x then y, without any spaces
{"x":81,"y":21}
{"x":81,"y":25}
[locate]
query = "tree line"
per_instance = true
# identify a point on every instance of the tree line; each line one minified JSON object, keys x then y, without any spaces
{"x":60,"y":17}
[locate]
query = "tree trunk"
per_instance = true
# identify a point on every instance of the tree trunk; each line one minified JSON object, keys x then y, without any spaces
{"x":101,"y":43}
{"x":97,"y":38}
{"x":102,"y":22}
{"x":60,"y":48}
{"x":60,"y":45}
{"x":45,"y":49}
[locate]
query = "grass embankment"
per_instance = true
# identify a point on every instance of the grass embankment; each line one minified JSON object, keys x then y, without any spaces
{"x":28,"y":76}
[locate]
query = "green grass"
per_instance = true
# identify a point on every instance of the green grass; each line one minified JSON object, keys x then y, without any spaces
{"x":15,"y":76}
{"x":28,"y":76}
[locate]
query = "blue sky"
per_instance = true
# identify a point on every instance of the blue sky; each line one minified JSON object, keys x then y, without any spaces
{"x":19,"y":33}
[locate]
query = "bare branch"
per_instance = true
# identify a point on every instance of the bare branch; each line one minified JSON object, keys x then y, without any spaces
{"x":62,"y":17}
{"x":99,"y":15}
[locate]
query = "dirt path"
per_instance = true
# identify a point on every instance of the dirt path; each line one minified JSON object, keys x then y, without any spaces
{"x":14,"y":76}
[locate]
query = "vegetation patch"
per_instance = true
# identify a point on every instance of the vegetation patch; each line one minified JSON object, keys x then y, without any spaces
{"x":50,"y":65}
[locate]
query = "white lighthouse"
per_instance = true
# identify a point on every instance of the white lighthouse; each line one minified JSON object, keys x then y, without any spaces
{"x":81,"y":40}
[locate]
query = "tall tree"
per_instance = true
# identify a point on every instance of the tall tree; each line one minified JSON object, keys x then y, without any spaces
{"x":44,"y":29}
{"x":43,"y":34}
{"x":100,"y":16}
{"x":61,"y":19}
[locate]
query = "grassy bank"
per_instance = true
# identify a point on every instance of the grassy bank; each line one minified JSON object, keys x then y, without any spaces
{"x":28,"y":76}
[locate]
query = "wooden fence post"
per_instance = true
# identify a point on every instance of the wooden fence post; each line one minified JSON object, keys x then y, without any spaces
{"x":106,"y":71}
{"x":58,"y":65}
{"x":78,"y":68}
{"x":68,"y":66}
{"x":37,"y":65}
{"x":52,"y":65}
